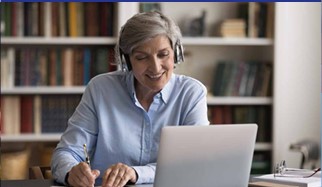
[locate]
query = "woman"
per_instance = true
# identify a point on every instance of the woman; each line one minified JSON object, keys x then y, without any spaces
{"x":121,"y":114}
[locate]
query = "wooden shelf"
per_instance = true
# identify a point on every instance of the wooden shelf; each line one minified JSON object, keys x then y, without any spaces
{"x":227,"y":41}
{"x":211,"y":100}
{"x":112,"y":41}
{"x":43,"y":90}
{"x":52,"y":137}
{"x":58,"y":41}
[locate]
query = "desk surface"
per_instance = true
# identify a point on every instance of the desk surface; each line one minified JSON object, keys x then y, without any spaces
{"x":27,"y":183}
{"x":51,"y":183}
{"x":43,"y":183}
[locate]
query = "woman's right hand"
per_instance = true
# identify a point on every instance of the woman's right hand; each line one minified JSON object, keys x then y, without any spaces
{"x":81,"y":175}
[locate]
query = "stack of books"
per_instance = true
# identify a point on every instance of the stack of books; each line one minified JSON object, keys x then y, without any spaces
{"x":233,"y":28}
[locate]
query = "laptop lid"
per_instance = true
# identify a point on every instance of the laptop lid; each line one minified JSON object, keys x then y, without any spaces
{"x":203,"y":156}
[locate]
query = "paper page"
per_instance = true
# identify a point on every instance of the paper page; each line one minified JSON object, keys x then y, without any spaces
{"x":294,"y":177}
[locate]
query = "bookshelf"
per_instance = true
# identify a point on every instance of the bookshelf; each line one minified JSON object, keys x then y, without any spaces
{"x":202,"y":54}
{"x":200,"y":47}
{"x":35,"y":141}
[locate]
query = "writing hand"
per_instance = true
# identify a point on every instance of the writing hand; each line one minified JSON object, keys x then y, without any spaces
{"x":118,"y":175}
{"x":81,"y":175}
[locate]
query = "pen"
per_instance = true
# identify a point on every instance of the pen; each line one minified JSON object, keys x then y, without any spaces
{"x":86,"y":155}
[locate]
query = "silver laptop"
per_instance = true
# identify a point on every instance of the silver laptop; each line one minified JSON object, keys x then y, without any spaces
{"x":205,"y":156}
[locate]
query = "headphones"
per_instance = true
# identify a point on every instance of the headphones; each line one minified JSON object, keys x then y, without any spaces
{"x":178,"y":57}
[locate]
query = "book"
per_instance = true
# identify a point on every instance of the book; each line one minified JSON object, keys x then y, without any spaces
{"x":52,"y":67}
{"x":91,"y":11}
{"x":37,"y":114}
{"x":62,"y":19}
{"x":294,"y":178}
{"x":11,"y":111}
{"x":13,"y":19}
{"x":41,"y":19}
{"x":267,"y":184}
{"x":217,"y":115}
{"x":35,"y":19}
{"x":7,"y":18}
{"x":1,"y":114}
{"x":26,"y":111}
{"x":47,"y":19}
{"x":80,"y":18}
{"x":54,"y":18}
{"x":218,"y":78}
{"x":72,"y":10}
{"x":68,"y":67}
{"x":270,"y":20}
{"x":87,"y":65}
{"x":233,"y":28}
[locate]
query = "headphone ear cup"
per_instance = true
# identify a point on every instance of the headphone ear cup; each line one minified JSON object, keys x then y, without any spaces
{"x":125,"y":61}
{"x":178,"y":53}
{"x":128,"y":62}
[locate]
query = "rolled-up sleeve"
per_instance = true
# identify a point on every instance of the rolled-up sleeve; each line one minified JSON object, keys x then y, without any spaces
{"x":145,"y":173}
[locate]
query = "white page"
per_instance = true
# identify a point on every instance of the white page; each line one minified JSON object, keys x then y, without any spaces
{"x":294,"y":178}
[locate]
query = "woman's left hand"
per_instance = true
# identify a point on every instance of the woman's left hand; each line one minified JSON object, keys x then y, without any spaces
{"x":118,"y":175}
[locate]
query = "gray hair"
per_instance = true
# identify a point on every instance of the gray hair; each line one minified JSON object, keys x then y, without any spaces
{"x":142,"y":27}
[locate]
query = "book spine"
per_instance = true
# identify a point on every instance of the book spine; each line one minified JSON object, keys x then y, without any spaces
{"x":26,"y":111}
{"x":72,"y":10}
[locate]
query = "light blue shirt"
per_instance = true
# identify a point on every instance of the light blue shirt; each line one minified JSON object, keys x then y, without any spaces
{"x":116,"y":128}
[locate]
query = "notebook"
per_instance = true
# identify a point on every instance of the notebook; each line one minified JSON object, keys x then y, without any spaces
{"x":203,"y":156}
{"x":295,"y":177}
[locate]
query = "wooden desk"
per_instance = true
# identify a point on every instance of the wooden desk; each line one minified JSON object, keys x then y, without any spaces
{"x":49,"y":183}
{"x":27,"y":183}
{"x":42,"y":183}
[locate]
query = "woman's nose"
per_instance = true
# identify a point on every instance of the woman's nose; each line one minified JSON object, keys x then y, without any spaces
{"x":155,"y":64}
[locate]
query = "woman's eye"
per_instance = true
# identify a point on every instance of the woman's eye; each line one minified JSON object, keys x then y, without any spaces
{"x":140,"y":57}
{"x":163,"y":54}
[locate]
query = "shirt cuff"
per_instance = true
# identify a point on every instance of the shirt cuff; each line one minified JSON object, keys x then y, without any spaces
{"x":145,"y":174}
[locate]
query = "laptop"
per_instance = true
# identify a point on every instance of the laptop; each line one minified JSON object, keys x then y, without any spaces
{"x":204,"y":156}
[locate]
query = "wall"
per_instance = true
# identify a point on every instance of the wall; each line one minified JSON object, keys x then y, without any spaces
{"x":297,"y":77}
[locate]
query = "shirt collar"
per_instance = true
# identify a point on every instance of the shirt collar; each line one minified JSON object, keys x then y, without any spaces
{"x":164,"y":93}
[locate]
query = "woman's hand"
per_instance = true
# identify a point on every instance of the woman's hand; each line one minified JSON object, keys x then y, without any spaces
{"x":118,"y":175}
{"x":81,"y":175}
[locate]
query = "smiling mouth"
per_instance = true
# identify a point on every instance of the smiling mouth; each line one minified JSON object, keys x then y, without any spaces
{"x":155,"y":77}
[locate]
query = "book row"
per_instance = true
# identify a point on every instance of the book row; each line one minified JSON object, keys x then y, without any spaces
{"x":36,"y":114}
{"x":54,"y":66}
{"x":74,"y":19}
{"x":259,"y":18}
{"x":242,"y":79}
{"x":261,"y":115}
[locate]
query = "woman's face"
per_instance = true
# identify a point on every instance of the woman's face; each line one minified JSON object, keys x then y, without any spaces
{"x":153,"y":64}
